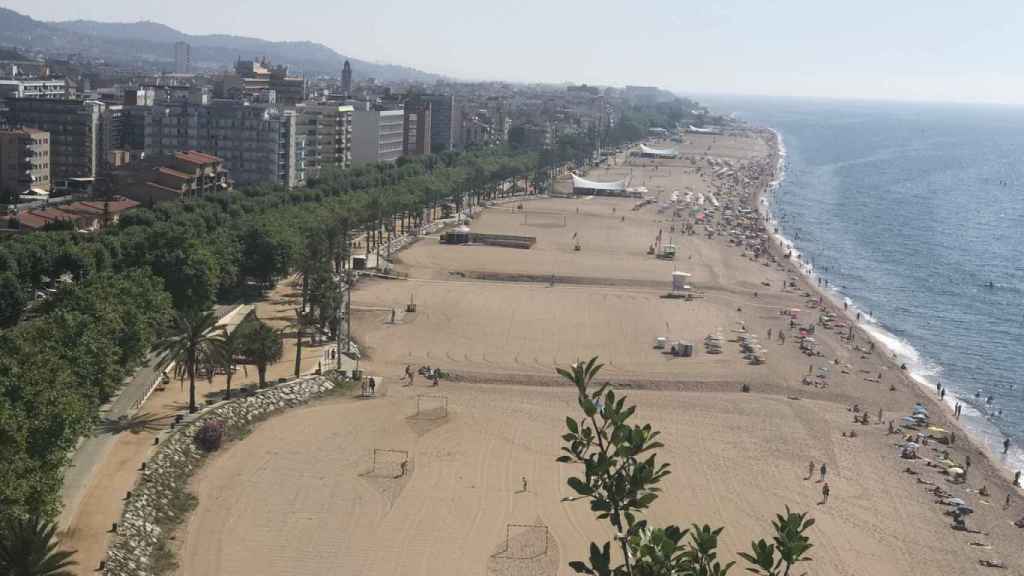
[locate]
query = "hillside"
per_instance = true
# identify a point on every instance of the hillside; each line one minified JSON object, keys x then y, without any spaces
{"x":152,"y":44}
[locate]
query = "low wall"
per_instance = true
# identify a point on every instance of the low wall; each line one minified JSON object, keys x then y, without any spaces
{"x":176,"y":460}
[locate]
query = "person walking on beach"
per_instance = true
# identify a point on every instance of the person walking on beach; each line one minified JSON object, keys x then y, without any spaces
{"x":810,"y":470}
{"x":825,"y":490}
{"x":524,"y":484}
{"x":1006,"y":446}
{"x":1016,"y":479}
{"x":1007,"y":503}
{"x":823,"y":470}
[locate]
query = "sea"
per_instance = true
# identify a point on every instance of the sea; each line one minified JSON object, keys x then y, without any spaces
{"x":914,"y":214}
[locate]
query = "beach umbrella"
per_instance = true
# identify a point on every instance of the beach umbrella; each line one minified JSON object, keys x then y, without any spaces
{"x":909,"y":420}
{"x":955,"y":502}
{"x":912,"y":445}
{"x":955,"y":471}
{"x":964,"y":510}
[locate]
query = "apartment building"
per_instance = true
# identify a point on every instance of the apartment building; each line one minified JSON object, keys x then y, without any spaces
{"x":53,"y":89}
{"x":377,"y":135}
{"x":74,"y":127}
{"x":24,"y":163}
{"x":326,"y":134}
{"x":416,"y":128}
{"x":258,"y":143}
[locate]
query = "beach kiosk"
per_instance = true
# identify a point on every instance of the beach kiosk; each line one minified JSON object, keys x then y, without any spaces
{"x":680,"y":281}
{"x":680,"y":285}
{"x":458,"y":235}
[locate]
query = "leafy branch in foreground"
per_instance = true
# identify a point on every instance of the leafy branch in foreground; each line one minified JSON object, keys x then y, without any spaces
{"x":621,"y":476}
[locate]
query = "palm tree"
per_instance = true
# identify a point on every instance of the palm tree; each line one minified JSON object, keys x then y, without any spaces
{"x":261,"y":345}
{"x":192,"y":346}
{"x":27,"y":548}
{"x":228,"y":346}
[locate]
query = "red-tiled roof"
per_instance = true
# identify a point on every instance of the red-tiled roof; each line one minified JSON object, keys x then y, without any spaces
{"x":197,"y":157}
{"x":115,"y":206}
{"x":173,"y":172}
{"x":30,"y":220}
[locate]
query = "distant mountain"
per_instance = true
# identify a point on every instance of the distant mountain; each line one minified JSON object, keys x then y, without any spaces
{"x":153,"y":44}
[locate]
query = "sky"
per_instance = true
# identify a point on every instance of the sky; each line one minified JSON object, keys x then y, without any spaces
{"x":866,"y":49}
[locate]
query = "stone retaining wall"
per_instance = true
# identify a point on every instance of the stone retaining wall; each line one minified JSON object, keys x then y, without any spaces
{"x":175,"y":461}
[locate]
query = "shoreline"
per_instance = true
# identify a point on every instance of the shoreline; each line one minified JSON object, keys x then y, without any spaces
{"x":976,"y":437}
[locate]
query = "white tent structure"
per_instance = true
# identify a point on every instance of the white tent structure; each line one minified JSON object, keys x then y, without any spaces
{"x":648,"y":152}
{"x":584,"y":186}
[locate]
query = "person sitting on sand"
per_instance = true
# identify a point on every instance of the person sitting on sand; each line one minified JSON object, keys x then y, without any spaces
{"x":983,"y":492}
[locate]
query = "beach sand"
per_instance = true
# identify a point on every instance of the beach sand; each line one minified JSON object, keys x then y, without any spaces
{"x":296,"y":496}
{"x":88,"y":528}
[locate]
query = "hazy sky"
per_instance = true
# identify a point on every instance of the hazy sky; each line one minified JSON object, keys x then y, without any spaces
{"x":891,"y":49}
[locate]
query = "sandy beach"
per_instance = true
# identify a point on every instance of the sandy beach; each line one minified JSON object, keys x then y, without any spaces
{"x":299,"y":495}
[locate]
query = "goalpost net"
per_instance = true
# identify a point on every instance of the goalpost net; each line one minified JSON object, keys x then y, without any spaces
{"x":544,"y":219}
{"x":524,"y":541}
{"x":431,"y":406}
{"x":389,"y":463}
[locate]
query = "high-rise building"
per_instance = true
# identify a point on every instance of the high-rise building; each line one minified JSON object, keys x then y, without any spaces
{"x":377,"y":135}
{"x":416,"y":128}
{"x":326,"y":133}
{"x":346,"y":79}
{"x":443,"y":131}
{"x":24,"y":162}
{"x":259,"y":144}
{"x":111,"y":135}
{"x":74,"y":132}
{"x":182,"y":58}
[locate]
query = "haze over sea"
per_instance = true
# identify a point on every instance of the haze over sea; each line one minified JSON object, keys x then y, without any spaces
{"x":909,"y":211}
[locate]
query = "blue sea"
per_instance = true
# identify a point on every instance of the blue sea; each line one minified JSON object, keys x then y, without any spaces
{"x":914,"y":213}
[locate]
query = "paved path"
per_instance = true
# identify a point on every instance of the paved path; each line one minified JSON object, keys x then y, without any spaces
{"x":92,"y":450}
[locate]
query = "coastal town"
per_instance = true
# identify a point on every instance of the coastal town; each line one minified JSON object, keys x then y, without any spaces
{"x":261,"y":320}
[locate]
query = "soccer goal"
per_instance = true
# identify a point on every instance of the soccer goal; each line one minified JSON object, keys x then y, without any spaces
{"x":544,"y":219}
{"x":524,"y":541}
{"x":386,"y":463}
{"x":431,"y":407}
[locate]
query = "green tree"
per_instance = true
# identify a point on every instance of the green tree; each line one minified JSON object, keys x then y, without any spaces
{"x":621,"y":477}
{"x":28,"y":548}
{"x":190,"y":275}
{"x":192,"y":347}
{"x":263,"y":256}
{"x":12,"y":299}
{"x":262,"y":346}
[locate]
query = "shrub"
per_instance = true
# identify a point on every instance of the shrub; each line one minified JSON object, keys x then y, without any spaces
{"x":210,"y":435}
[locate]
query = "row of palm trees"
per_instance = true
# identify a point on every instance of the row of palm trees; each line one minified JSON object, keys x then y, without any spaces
{"x":198,"y":348}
